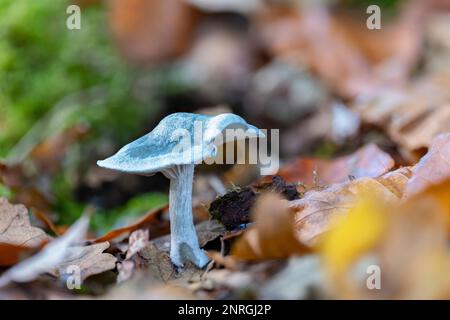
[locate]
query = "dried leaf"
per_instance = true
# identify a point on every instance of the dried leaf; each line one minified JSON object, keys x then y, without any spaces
{"x":272,"y":236}
{"x":412,"y":116}
{"x":311,"y":37}
{"x":433,"y":168}
{"x":317,"y":211}
{"x":47,"y":259}
{"x":154,"y":258}
{"x":89,"y":259}
{"x":157,"y":265}
{"x":11,"y":254}
{"x":15,"y":227}
{"x":369,"y":161}
{"x":344,"y":55}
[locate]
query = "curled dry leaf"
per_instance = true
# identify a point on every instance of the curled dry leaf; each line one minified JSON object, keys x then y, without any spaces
{"x":15,"y":227}
{"x":316,"y":212}
{"x":433,"y":168}
{"x":369,"y":161}
{"x":272,"y":236}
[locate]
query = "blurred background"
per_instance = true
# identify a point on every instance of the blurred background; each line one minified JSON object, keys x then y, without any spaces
{"x":312,"y":69}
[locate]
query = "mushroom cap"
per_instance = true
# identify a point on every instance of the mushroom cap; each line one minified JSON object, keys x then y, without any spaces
{"x":179,"y":139}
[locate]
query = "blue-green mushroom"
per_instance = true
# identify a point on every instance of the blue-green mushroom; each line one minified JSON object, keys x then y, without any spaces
{"x":174,"y":147}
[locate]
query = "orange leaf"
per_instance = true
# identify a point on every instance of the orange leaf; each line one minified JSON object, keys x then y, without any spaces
{"x":369,"y":161}
{"x":272,"y":236}
{"x":151,"y":218}
{"x":10,"y":254}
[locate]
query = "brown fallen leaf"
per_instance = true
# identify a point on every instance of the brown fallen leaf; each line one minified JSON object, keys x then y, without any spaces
{"x":369,"y":161}
{"x":310,"y":36}
{"x":154,"y":258}
{"x":15,"y":227}
{"x":316,"y":212}
{"x":156,"y":263}
{"x":151,"y":31}
{"x":273,"y":235}
{"x":60,"y":253}
{"x":90,"y":260}
{"x":433,"y":168}
{"x":412,"y":116}
{"x":349,"y":59}
{"x":150,"y":220}
{"x":11,"y":254}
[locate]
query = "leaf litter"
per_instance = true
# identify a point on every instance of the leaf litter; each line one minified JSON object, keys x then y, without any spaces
{"x":311,"y":230}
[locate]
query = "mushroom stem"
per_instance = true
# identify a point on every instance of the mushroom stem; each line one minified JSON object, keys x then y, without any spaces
{"x":183,"y":242}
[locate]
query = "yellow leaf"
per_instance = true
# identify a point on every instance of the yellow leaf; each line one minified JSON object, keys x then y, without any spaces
{"x":353,"y":235}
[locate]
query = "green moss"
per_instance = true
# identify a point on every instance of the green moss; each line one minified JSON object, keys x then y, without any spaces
{"x":4,"y":192}
{"x":42,"y":62}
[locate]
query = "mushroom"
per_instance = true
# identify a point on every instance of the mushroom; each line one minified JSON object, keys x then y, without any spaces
{"x":174,"y":147}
